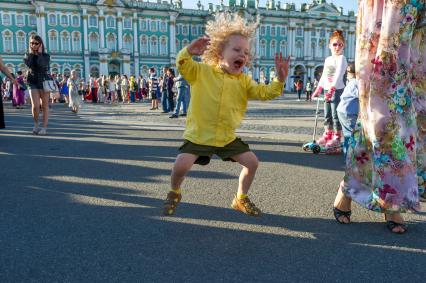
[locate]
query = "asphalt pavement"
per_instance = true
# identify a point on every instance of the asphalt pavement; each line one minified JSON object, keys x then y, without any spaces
{"x":83,"y":204}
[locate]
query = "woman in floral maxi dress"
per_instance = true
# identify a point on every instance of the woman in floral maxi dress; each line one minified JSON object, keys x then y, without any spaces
{"x":385,"y":166}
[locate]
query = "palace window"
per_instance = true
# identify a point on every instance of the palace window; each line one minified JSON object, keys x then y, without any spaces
{"x":64,"y":20}
{"x":153,"y":26}
{"x":185,"y":43}
{"x":262,"y":30}
{"x":21,"y":42}
{"x":20,"y":20}
{"x":33,"y":20}
{"x":262,"y":48}
{"x":110,"y":22}
{"x":93,"y":21}
{"x":127,"y":23}
{"x":273,"y":48}
{"x":7,"y":41}
{"x":313,"y":49}
{"x":128,"y":42}
{"x":6,"y":20}
{"x":322,"y":33}
{"x":299,"y":31}
{"x":283,"y":31}
{"x":65,"y":41}
{"x":313,"y":32}
{"x":178,"y":45}
{"x":94,"y":42}
{"x":52,"y":20}
{"x":75,"y":21}
{"x":193,"y":30}
{"x":163,"y":26}
{"x":143,"y":25}
{"x":179,"y":29}
{"x":76,"y":42}
{"x":273,"y":31}
{"x":144,"y":45}
{"x":53,"y":41}
{"x":153,"y":48}
{"x":283,"y":48}
{"x":111,"y":42}
{"x":185,"y":29}
{"x":299,"y":49}
{"x":163,"y":46}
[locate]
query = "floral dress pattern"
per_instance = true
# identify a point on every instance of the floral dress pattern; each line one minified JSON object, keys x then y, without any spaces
{"x":386,"y":161}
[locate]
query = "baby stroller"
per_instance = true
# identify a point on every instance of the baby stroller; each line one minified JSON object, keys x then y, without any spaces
{"x":313,"y":145}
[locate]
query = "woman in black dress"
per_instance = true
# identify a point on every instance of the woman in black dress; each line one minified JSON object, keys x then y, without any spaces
{"x":5,"y":70}
{"x":38,"y":62}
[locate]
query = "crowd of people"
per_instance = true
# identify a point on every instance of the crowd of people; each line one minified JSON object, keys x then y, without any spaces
{"x":380,"y":108}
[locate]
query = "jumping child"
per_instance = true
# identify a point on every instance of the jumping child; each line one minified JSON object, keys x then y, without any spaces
{"x":219,"y":94}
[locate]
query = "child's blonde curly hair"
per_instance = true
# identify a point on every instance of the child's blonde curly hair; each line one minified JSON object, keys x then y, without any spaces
{"x":219,"y":30}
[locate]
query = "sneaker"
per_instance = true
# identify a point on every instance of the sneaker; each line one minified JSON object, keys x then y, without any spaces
{"x":174,"y":116}
{"x":36,"y":130}
{"x":42,"y":132}
{"x":182,"y":115}
{"x":245,"y":206}
{"x":326,"y":136}
{"x":335,"y":140}
{"x":171,"y":203}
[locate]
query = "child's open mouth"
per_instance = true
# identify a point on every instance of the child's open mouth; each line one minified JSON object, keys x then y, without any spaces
{"x":238,"y":64}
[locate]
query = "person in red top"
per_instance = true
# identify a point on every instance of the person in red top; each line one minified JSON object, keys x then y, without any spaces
{"x":299,"y":87}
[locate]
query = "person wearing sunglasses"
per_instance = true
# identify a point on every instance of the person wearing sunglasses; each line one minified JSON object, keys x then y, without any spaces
{"x":38,"y":62}
{"x":332,"y":82}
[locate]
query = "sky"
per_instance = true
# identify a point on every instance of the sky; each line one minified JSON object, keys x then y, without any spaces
{"x":346,"y":4}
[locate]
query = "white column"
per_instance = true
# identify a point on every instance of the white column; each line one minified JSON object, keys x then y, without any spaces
{"x":86,"y":47}
{"x":85,"y":35}
{"x":136,"y":44}
{"x":256,"y":74}
{"x":101,"y":28}
{"x":353,"y":44}
{"x":172,"y":38}
{"x":42,"y":24}
{"x":120,"y":30}
{"x":292,"y":41}
{"x":39,"y":28}
{"x":307,"y":43}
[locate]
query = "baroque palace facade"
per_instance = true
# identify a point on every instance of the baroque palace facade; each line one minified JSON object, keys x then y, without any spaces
{"x":130,"y":36}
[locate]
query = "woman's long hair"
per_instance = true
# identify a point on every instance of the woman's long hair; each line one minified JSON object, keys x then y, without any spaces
{"x":38,"y":39}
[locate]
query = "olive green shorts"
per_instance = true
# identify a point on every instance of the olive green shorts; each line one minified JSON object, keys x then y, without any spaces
{"x":205,"y":152}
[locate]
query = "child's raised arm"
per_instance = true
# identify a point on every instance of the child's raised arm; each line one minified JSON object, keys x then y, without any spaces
{"x":281,"y":66}
{"x":186,"y":66}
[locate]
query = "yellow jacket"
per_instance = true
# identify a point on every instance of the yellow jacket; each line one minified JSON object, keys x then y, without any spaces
{"x":218,"y":100}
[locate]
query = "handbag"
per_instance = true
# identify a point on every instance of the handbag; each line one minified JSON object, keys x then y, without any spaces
{"x":49,"y":85}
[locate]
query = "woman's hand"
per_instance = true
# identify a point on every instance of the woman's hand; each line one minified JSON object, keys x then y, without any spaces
{"x":198,"y":46}
{"x":281,"y":66}
{"x":317,"y":92}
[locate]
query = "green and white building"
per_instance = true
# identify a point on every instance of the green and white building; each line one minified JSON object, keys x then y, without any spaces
{"x":130,"y":36}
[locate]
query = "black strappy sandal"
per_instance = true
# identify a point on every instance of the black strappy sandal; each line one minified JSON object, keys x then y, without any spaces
{"x":339,"y":213}
{"x":392,"y":225}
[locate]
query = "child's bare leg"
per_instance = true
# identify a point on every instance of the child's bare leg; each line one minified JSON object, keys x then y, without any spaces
{"x":250,"y":163}
{"x":183,"y":164}
{"x":241,"y":202}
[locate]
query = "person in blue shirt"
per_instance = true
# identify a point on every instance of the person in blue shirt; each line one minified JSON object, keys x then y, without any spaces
{"x":348,"y":108}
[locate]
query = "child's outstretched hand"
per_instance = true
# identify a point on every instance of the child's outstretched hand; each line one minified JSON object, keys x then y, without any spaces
{"x":198,"y":46}
{"x":281,"y":66}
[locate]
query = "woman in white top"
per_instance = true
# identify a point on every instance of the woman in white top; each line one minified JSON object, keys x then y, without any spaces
{"x":332,"y":82}
{"x":74,"y":98}
{"x":111,"y":89}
